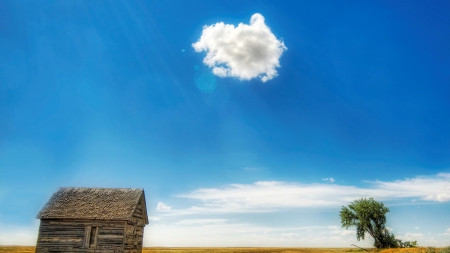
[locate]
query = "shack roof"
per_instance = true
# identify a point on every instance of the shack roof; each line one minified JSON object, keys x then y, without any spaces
{"x":94,"y":203}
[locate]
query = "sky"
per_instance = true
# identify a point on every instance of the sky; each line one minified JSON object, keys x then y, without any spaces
{"x":247,"y":123}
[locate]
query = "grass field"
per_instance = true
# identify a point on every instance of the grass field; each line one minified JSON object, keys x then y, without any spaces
{"x":16,"y":249}
{"x":29,"y":249}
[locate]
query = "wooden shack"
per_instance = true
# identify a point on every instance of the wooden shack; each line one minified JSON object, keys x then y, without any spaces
{"x":106,"y":220}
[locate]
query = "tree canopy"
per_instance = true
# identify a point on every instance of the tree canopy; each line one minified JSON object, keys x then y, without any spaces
{"x":369,"y":216}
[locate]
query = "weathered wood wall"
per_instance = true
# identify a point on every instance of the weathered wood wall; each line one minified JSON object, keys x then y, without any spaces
{"x":81,"y":236}
{"x":134,"y":233}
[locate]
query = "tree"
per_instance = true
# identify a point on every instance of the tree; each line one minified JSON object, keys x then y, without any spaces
{"x":369,"y":216}
{"x":407,"y":244}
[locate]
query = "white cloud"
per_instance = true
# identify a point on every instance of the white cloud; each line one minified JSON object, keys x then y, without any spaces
{"x":410,"y":236}
{"x":441,"y":197}
{"x":154,"y":218}
{"x":269,"y":196}
{"x":389,"y":229}
{"x":289,"y":235}
{"x":200,"y":221}
{"x":416,"y":228}
{"x":426,"y":188}
{"x":328,"y":179}
{"x":343,"y":232}
{"x":162,"y":206}
{"x":226,"y":234}
{"x":202,"y":226}
{"x":348,"y":232}
{"x":448,"y":230}
{"x":246,"y":51}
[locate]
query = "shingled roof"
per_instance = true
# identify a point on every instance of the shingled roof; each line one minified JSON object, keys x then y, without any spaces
{"x":93,"y":203}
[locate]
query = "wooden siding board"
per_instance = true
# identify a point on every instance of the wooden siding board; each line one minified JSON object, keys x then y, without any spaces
{"x":68,"y":249}
{"x":68,"y":236}
{"x":96,"y":236}
{"x":134,"y":232}
{"x":87,"y":237}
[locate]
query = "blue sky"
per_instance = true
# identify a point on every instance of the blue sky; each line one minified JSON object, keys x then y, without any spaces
{"x":242,"y":133}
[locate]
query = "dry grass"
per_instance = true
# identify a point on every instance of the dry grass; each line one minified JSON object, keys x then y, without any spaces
{"x":17,"y":249}
{"x":30,"y":249}
{"x":281,"y":250}
{"x":245,"y":250}
{"x":407,"y":250}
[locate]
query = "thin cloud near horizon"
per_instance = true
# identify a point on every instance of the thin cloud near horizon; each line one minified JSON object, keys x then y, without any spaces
{"x":271,"y":196}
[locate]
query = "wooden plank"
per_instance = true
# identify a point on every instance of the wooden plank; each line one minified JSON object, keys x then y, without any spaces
{"x":123,"y":241}
{"x":87,"y":237}
{"x":69,"y":249}
{"x":96,"y":236}
{"x":89,"y":223}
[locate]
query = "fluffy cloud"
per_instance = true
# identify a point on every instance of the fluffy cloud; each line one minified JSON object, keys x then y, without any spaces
{"x":162,"y":206}
{"x":328,"y":179}
{"x":246,"y":51}
{"x":271,"y":196}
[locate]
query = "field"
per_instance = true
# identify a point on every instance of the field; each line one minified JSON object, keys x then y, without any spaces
{"x":29,"y":249}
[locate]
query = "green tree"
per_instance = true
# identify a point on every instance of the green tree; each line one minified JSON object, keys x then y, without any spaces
{"x":369,"y":216}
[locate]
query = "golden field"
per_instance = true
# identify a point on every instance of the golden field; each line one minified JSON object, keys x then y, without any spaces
{"x":17,"y":249}
{"x":30,"y":249}
{"x":279,"y":250}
